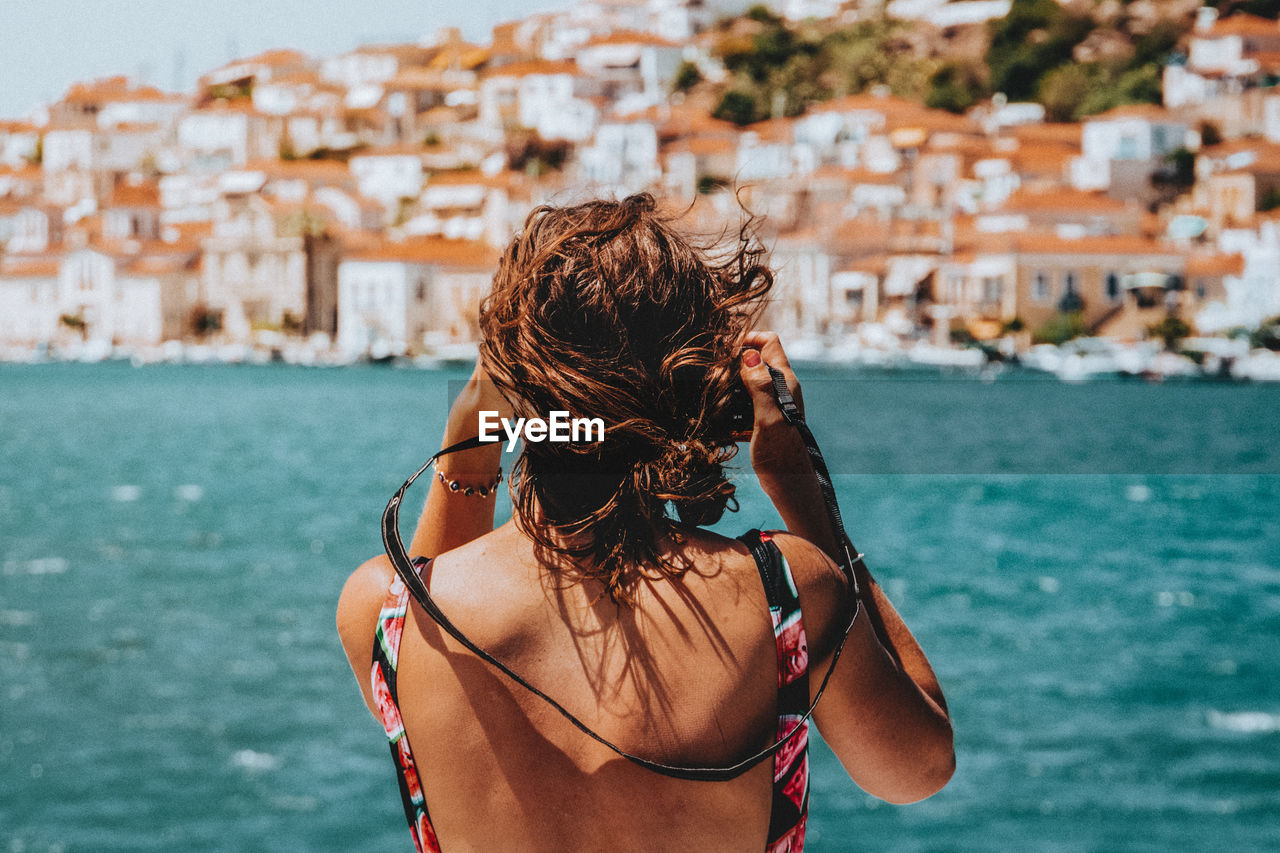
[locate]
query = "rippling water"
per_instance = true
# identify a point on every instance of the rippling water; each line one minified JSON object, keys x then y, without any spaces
{"x":1094,"y":570}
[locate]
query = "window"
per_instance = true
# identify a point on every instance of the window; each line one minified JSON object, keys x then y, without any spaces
{"x":1040,"y":286}
{"x":422,"y":290}
{"x":1070,"y":301}
{"x":1202,"y":289}
{"x":1127,"y":149}
{"x":991,"y":289}
{"x":1113,"y":287}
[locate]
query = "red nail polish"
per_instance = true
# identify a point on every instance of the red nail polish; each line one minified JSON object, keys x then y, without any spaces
{"x":751,"y":358}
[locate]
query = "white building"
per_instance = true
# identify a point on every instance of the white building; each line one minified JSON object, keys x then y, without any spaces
{"x":542,"y":96}
{"x":403,"y":297}
{"x":106,"y":298}
{"x":1135,"y":138}
{"x":19,"y":142}
{"x":389,"y":174}
{"x":623,"y":156}
{"x":226,"y":134}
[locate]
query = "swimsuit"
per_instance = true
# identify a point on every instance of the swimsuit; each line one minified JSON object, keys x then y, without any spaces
{"x":790,"y":805}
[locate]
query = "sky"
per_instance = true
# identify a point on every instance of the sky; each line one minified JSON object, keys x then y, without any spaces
{"x":45,"y":45}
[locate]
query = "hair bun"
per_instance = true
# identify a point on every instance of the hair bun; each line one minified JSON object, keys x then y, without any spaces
{"x":689,"y":474}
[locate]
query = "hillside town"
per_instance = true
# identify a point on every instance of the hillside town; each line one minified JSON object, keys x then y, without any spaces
{"x":329,"y":209}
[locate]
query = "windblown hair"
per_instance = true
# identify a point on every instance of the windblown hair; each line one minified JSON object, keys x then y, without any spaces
{"x":604,"y":310}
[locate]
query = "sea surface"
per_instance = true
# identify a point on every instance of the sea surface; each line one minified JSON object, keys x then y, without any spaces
{"x":1094,"y":570}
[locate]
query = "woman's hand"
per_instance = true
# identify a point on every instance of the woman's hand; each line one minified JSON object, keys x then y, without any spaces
{"x":480,"y":394}
{"x":453,"y":518}
{"x":778,"y":456}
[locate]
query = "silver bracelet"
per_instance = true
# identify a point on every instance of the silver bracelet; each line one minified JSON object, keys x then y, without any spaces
{"x":457,"y":486}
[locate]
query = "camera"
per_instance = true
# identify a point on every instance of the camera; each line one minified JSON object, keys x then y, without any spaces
{"x":739,"y":418}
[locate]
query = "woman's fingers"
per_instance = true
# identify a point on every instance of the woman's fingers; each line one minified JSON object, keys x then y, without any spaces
{"x":769,"y":345}
{"x":755,"y":376}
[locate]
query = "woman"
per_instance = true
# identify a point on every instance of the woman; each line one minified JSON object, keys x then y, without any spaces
{"x":657,"y":634}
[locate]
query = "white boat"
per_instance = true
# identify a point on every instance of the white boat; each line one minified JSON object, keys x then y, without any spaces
{"x":1259,"y":365}
{"x":928,"y":355}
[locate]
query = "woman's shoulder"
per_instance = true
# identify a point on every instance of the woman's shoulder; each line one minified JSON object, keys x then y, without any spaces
{"x":359,"y":604}
{"x":825,"y":594}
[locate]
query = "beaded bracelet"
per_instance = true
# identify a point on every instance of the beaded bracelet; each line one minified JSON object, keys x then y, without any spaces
{"x":456,"y":485}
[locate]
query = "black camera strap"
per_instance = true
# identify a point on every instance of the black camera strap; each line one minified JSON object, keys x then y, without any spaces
{"x":413,"y":581}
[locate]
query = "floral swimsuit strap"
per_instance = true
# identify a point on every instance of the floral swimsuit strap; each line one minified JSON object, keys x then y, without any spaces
{"x":791,"y":763}
{"x":386,"y":653}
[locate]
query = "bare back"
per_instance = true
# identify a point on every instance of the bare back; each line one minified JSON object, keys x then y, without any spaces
{"x":687,"y":676}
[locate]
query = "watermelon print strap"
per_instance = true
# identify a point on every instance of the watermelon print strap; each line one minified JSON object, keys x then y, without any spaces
{"x":386,"y":653}
{"x":790,"y":763}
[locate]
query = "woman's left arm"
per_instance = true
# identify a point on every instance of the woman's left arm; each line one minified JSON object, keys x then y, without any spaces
{"x":453,"y":518}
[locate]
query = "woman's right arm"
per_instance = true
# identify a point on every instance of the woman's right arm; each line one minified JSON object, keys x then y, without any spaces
{"x":884,"y":713}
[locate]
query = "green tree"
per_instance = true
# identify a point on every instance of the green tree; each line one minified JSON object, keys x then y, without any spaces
{"x":1061,"y":328}
{"x":1035,"y":37}
{"x":955,"y":87}
{"x":1170,"y":330}
{"x":1063,"y":91}
{"x":687,"y":76}
{"x":738,"y":107}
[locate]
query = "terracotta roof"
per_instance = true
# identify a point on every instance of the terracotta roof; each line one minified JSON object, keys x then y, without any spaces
{"x":537,"y":66}
{"x":1243,"y":24}
{"x":186,"y":234}
{"x":273,"y":58}
{"x":228,"y":106}
{"x":28,"y":173}
{"x":27,"y":266}
{"x":312,"y":170}
{"x":676,"y":120}
{"x":1150,"y":112}
{"x":972,"y":147}
{"x":703,"y":145}
{"x":629,"y":37}
{"x":1042,"y":159}
{"x":773,"y":129}
{"x":407,"y":50}
{"x":860,"y":232}
{"x":857,"y":175}
{"x":136,"y":127}
{"x":1266,"y":155}
{"x":430,"y":250}
{"x":460,"y":55}
{"x":135,"y":195}
{"x":470,"y":177}
{"x":867,"y":102}
{"x":1060,"y":133}
{"x":1066,"y":200}
{"x":295,"y":78}
{"x":1051,"y":244}
{"x":424,"y":79}
{"x":875,"y":264}
{"x":1269,"y":60}
{"x":162,"y":262}
{"x":95,"y":91}
{"x":1215,"y":265}
{"x":399,"y":150}
{"x":16,"y":126}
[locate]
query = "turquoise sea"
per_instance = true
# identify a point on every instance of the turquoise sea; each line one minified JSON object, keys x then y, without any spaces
{"x":1094,"y":570}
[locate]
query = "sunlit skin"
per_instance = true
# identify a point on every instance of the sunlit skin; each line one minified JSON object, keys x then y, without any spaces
{"x":686,"y":675}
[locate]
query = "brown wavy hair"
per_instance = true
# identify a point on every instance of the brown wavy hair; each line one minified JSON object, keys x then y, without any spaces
{"x":605,"y":310}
